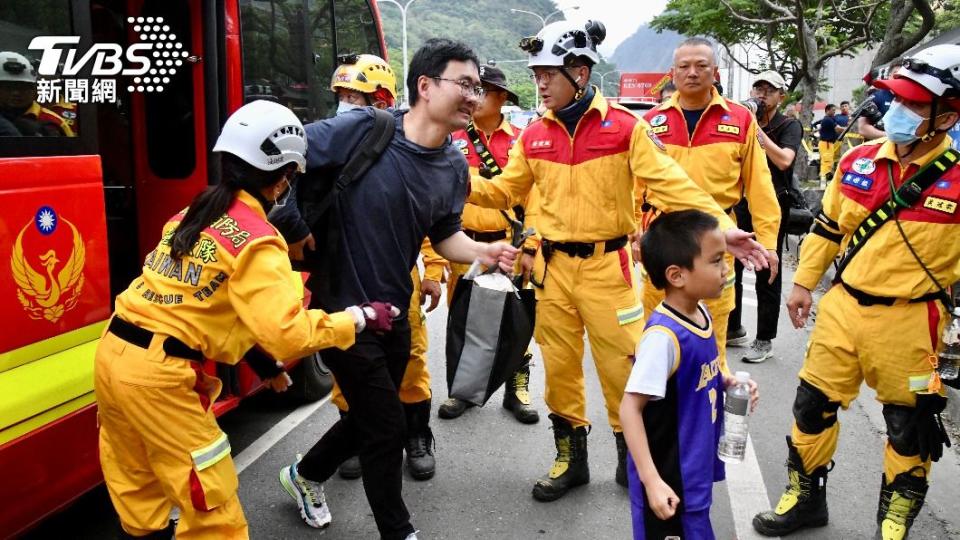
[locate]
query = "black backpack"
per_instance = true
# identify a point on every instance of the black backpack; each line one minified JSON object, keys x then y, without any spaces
{"x":318,"y":189}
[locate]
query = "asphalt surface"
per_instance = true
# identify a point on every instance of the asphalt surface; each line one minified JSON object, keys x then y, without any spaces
{"x":487,"y":464}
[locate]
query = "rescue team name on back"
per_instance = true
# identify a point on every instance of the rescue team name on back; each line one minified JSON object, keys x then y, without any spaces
{"x":158,"y":298}
{"x":167,"y":266}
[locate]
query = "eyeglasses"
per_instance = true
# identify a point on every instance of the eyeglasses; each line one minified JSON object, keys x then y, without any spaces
{"x":766,"y":90}
{"x":545,"y":76}
{"x":467,"y":88}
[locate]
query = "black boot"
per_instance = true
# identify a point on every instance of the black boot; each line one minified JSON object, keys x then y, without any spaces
{"x":453,"y":408}
{"x":516,"y":397}
{"x":570,"y":467}
{"x":803,"y":504}
{"x":621,"y":476}
{"x":350,"y":469}
{"x":900,"y":502}
{"x":420,"y":461}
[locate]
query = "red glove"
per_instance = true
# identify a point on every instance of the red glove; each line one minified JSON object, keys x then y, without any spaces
{"x":379,"y":316}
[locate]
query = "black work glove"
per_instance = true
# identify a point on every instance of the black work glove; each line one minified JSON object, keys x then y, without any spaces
{"x":931,"y":436}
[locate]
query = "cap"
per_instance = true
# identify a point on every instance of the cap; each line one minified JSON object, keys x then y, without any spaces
{"x":773,"y":78}
{"x":906,"y":88}
{"x":494,"y":76}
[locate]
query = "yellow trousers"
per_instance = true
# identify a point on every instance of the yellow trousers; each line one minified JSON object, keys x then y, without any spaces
{"x":827,"y":156}
{"x":601,"y":295}
{"x":889,"y":347}
{"x":719,"y":308}
{"x":415,"y":386}
{"x":160,"y":444}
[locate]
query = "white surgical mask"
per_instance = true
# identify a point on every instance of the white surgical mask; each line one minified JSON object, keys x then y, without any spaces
{"x":900,"y":123}
{"x":343,"y":107}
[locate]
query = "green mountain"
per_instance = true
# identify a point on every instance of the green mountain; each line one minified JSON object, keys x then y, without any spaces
{"x":486,"y":25}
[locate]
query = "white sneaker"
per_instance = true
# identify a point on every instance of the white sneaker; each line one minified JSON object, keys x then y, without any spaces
{"x":308,"y":495}
{"x":412,"y":536}
{"x":761,"y":350}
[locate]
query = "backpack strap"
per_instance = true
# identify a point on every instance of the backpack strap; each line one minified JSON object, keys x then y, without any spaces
{"x":906,"y":196}
{"x":367,"y":153}
{"x":492,"y":168}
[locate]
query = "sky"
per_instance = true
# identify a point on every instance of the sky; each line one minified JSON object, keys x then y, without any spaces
{"x":620,"y":17}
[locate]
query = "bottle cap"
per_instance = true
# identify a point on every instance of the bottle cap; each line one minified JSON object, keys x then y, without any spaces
{"x":956,"y":311}
{"x":743,"y":377}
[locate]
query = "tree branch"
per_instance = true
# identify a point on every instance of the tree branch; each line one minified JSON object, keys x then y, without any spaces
{"x":751,"y":20}
{"x":779,"y":9}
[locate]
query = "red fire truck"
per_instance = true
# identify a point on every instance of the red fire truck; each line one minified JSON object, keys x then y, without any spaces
{"x":80,"y":212}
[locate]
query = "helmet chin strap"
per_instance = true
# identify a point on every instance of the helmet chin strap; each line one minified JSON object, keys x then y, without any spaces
{"x":580,"y":91}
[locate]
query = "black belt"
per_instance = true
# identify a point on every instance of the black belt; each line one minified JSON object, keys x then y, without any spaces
{"x":582,"y":249}
{"x":487,"y":237}
{"x":867,"y":299}
{"x":135,"y":335}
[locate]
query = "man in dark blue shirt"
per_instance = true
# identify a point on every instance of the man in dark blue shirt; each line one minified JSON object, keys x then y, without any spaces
{"x":416,"y":189}
{"x":828,"y":141}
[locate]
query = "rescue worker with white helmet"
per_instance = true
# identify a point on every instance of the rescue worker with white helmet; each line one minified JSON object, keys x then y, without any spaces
{"x":217,"y":286}
{"x":882,"y":320}
{"x":18,"y":95}
{"x":590,"y":161}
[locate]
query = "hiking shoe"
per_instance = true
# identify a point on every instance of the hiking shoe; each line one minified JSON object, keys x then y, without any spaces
{"x":570,"y":468}
{"x":308,"y":495}
{"x":516,"y":397}
{"x":452,"y":408}
{"x":761,"y":350}
{"x":420,"y":461}
{"x":803,"y":503}
{"x":737,"y":338}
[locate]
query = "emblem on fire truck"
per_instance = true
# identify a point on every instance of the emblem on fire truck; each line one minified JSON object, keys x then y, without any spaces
{"x":45,"y":294}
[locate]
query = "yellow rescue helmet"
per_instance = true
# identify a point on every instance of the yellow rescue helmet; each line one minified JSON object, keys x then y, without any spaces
{"x":364,"y":73}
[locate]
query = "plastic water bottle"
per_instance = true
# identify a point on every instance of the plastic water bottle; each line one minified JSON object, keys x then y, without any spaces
{"x":948,"y":364}
{"x":736,"y":407}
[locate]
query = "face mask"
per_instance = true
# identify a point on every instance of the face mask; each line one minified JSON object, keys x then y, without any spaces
{"x":901,"y":123}
{"x":280,"y":203}
{"x":343,"y":107}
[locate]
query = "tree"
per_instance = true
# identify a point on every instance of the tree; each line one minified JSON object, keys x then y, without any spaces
{"x":798,"y":37}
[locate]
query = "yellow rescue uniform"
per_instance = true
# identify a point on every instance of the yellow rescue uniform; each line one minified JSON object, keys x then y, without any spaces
{"x":588,"y":185}
{"x":160,"y":444}
{"x":415,"y":385}
{"x":724,"y":157}
{"x":889,"y":347}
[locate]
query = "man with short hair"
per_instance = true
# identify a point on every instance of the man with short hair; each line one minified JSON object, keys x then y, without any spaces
{"x":780,"y":136}
{"x":591,"y":162}
{"x":828,"y":141}
{"x":416,"y":189}
{"x":716,"y":141}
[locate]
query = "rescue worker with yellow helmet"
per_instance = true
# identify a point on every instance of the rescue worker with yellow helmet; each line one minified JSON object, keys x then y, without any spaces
{"x":891,"y":210}
{"x":590,"y":162}
{"x":368,"y":80}
{"x":18,"y":95}
{"x":216,"y":287}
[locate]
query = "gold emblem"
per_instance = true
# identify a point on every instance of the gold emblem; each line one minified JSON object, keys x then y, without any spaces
{"x":48,"y":296}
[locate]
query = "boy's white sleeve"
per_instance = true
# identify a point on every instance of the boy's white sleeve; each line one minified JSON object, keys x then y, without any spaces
{"x":656,"y":360}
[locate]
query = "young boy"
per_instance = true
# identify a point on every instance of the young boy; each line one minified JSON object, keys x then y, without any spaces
{"x":672,"y":410}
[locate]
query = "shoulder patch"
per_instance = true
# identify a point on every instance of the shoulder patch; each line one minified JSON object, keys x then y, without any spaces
{"x":728,"y":128}
{"x":940,"y":205}
{"x":864,"y":165}
{"x":658,"y":120}
{"x":656,"y":140}
{"x":460,"y":143}
{"x":760,"y":140}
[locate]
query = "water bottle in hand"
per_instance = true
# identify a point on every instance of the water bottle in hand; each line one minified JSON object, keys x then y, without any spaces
{"x":736,"y":407}
{"x":949,"y":358}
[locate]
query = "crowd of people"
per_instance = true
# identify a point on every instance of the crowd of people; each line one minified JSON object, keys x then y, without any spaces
{"x":696,"y":188}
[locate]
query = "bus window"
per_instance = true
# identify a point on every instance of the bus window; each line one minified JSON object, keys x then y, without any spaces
{"x":356,"y":28}
{"x":29,"y":108}
{"x":171,"y":133}
{"x":288,"y":54}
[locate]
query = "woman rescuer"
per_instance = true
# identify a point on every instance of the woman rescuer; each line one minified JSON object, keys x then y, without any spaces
{"x":217,"y":286}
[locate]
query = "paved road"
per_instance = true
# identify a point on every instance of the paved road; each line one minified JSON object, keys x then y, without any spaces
{"x":487,"y":464}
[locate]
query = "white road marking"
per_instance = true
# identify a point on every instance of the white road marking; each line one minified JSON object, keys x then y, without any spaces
{"x":747,"y":492}
{"x":266,"y":441}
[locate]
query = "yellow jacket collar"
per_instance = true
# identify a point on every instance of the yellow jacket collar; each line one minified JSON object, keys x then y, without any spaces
{"x":599,"y":103}
{"x":34,"y":110}
{"x":505,"y":126}
{"x":888,"y":150}
{"x":253,"y":203}
{"x":715,"y":99}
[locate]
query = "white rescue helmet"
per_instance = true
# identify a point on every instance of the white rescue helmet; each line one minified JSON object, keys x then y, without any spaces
{"x":934,"y":71}
{"x":15,"y":67}
{"x":266,"y":135}
{"x":560,"y":42}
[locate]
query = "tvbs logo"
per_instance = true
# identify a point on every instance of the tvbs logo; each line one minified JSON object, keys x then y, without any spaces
{"x":152,"y":62}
